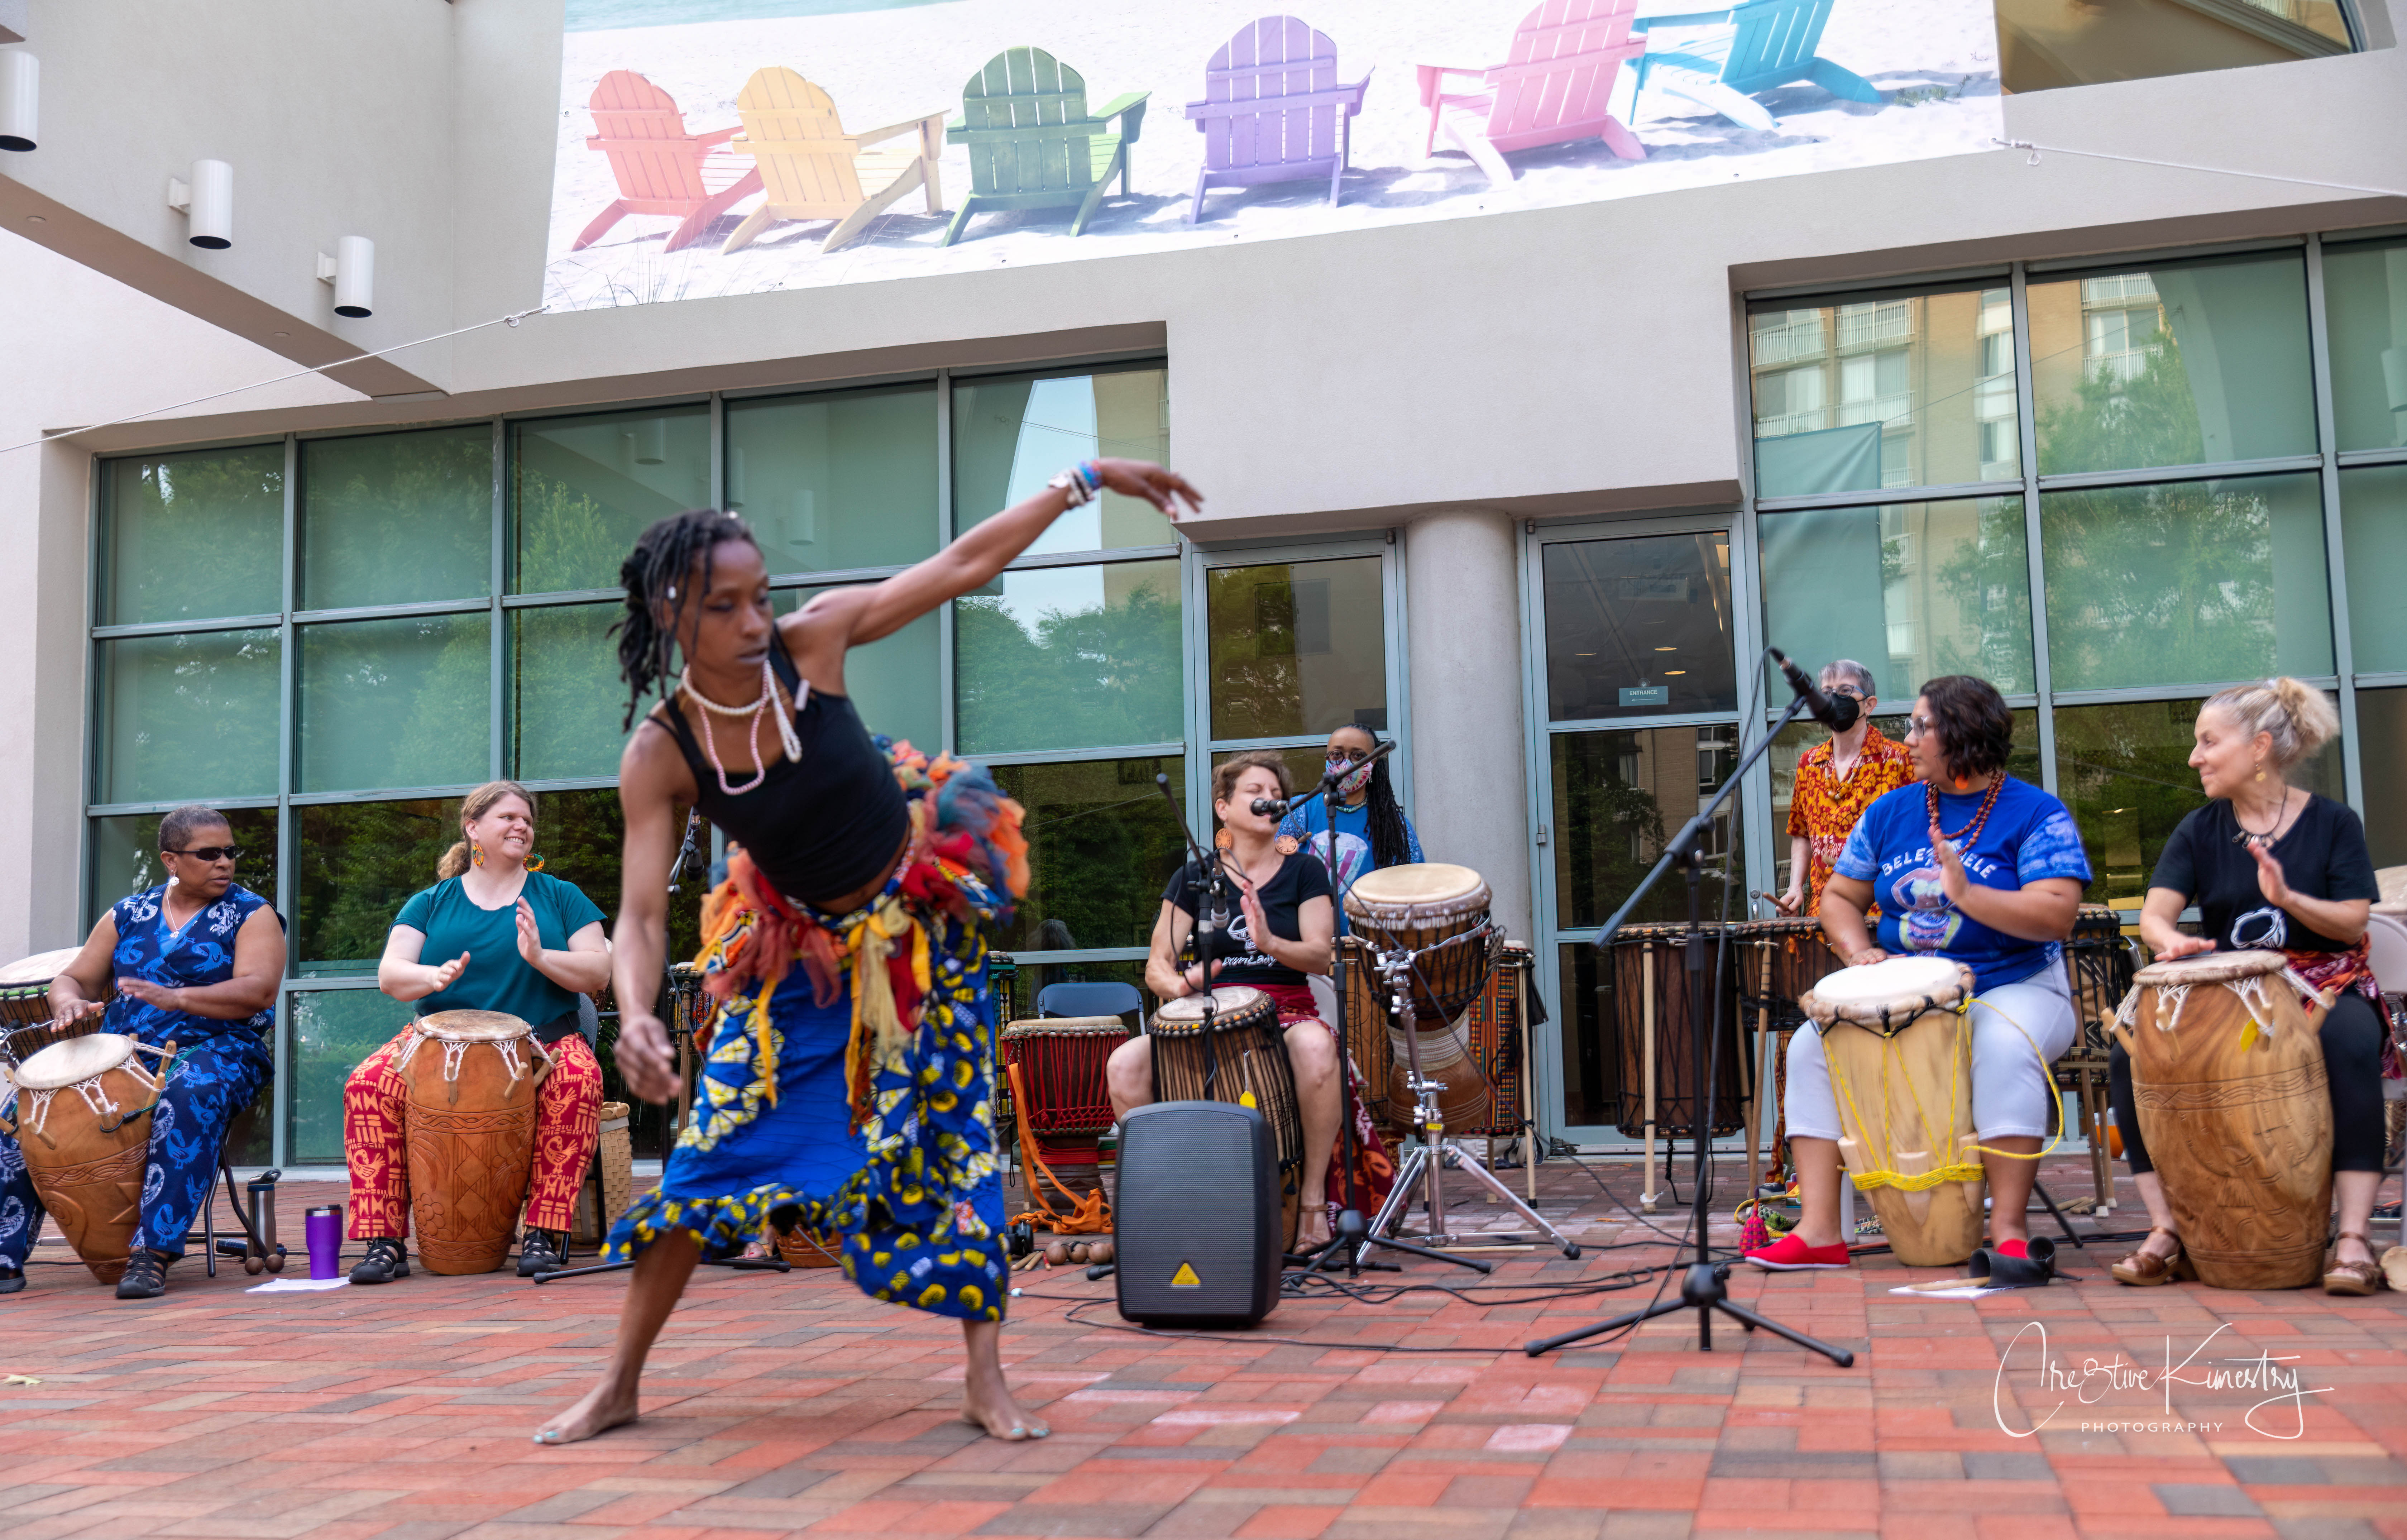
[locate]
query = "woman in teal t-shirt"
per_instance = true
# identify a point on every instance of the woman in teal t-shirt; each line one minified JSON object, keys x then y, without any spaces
{"x":505,"y":940}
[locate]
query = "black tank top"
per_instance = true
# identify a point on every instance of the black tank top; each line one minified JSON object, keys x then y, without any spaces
{"x":821,"y":827}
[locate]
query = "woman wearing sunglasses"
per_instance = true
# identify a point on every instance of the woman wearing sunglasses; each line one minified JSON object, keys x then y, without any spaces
{"x":1371,"y":831}
{"x":193,"y":962}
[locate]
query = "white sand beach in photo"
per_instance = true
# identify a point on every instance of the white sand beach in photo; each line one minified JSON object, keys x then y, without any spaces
{"x":1936,"y":60}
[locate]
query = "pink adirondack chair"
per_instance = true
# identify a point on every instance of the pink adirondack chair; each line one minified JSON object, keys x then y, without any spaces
{"x":1274,"y":110}
{"x":661,"y":169}
{"x":1555,"y":88}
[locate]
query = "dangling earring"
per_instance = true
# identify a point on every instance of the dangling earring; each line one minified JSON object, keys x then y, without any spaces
{"x":1224,"y":841}
{"x":1285,"y":845}
{"x":1964,"y":783}
{"x":476,"y":854}
{"x":2260,"y":772}
{"x":535,"y":865}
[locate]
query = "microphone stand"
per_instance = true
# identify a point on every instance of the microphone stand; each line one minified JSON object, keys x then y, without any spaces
{"x":1702,"y":1288}
{"x":1209,"y":911}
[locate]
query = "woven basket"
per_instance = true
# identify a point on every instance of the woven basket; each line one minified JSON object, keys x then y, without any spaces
{"x":805,"y":1249}
{"x":614,"y":1162}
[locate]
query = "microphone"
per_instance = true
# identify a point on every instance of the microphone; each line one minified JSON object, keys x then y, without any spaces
{"x":1836,"y":712}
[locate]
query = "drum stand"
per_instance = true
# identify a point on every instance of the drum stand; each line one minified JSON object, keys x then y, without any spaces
{"x":1435,"y":1153}
{"x":1702,"y":1284}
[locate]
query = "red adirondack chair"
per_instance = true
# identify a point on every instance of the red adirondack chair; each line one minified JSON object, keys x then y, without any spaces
{"x":661,"y":169}
{"x":1555,"y":87}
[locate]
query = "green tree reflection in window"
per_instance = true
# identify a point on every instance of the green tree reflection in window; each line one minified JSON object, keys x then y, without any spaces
{"x":1055,"y":677}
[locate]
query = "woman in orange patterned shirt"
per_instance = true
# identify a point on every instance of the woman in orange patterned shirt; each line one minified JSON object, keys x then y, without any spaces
{"x":1835,"y":782}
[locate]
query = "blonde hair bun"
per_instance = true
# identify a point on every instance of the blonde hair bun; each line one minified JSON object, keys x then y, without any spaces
{"x":2295,"y":715}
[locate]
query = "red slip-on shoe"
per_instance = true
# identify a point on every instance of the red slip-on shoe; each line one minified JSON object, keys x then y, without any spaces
{"x":1790,"y":1254}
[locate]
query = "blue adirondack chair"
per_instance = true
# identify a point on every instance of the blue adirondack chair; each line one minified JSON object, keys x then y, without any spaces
{"x":1032,"y":143}
{"x":1752,"y":47}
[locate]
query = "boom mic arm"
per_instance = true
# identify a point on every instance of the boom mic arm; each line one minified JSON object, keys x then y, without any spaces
{"x":1836,"y":712}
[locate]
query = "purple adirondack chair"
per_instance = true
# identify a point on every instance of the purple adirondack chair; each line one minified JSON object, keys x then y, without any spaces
{"x":1273,"y":111}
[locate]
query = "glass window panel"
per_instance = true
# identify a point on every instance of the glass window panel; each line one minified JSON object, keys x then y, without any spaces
{"x":1101,"y":844}
{"x":566,"y":697}
{"x":397,"y":518}
{"x":1639,"y":625}
{"x":125,"y":856}
{"x":193,"y":535}
{"x":2365,"y":297}
{"x":836,"y":482}
{"x":2124,"y":771}
{"x":582,"y":488}
{"x":2382,"y":733}
{"x":395,"y":703}
{"x":1591,"y":1038}
{"x":2181,"y":364}
{"x":333,"y":1030}
{"x":2373,"y":540}
{"x":1069,"y":658}
{"x":357,"y":864}
{"x":1911,"y":590}
{"x":189,"y":718}
{"x":893,"y":680}
{"x":2043,"y":46}
{"x":1618,"y":796}
{"x":1297,"y":647}
{"x":1797,"y":736}
{"x":1884,"y":390}
{"x":1012,"y":435}
{"x":2186,"y":582}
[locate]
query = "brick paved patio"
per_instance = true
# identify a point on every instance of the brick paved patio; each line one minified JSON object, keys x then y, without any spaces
{"x":781,"y":1404}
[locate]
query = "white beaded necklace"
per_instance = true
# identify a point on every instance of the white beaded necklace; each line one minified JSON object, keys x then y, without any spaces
{"x":756,"y":710}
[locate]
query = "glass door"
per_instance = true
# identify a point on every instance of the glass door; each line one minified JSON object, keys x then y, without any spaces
{"x":1634,"y":688}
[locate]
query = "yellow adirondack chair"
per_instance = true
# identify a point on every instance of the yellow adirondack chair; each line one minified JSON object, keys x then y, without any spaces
{"x":812,"y":169}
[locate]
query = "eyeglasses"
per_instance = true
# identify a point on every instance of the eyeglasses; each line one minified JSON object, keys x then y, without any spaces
{"x":1347,"y":756}
{"x":1918,"y":725}
{"x":210,"y":853}
{"x":1847,"y":690}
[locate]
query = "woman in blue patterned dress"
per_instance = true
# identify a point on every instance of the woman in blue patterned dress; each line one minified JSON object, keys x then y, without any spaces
{"x":848,"y":1076}
{"x":194,"y":961}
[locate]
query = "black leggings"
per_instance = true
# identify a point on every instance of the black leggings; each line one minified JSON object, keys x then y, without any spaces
{"x":2352,"y":1039}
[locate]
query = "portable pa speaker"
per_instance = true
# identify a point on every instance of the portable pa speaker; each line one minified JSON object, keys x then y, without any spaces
{"x":1197,"y":1222}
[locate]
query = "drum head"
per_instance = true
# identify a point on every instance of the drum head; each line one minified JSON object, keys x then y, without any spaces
{"x":473,"y":1026}
{"x":1064,"y":1026}
{"x":2211,"y":968}
{"x":1424,"y":884}
{"x":76,"y":1060}
{"x":1891,"y":992}
{"x":40,"y":968}
{"x":1227,"y":1000}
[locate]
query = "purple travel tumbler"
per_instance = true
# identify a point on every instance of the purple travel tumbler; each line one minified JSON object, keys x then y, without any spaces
{"x":325,"y":1234}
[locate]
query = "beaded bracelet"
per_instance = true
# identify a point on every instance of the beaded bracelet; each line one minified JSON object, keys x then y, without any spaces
{"x":1082,"y":482}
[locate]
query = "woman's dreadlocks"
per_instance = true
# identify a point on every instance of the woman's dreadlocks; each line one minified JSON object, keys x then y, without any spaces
{"x":1390,"y":846}
{"x":655,"y":574}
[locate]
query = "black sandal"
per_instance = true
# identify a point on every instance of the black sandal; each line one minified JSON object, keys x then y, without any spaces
{"x":386,"y":1261}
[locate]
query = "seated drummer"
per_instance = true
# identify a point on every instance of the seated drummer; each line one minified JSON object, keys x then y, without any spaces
{"x":1279,"y":935}
{"x":1979,"y":868}
{"x":514,"y":939}
{"x":1835,"y":782}
{"x":195,"y":962}
{"x":2274,"y":866}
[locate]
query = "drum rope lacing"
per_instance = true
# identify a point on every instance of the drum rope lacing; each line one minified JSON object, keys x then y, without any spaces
{"x":1958,"y":1169}
{"x":95,"y":1095}
{"x":2250,"y":990}
{"x":456,"y":1049}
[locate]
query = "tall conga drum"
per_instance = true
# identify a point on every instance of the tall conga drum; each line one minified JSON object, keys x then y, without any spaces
{"x":1899,"y":1046}
{"x":472,"y":1077}
{"x":1063,"y":1106}
{"x":1437,"y":913}
{"x":25,"y":987}
{"x":2227,"y":1072}
{"x":78,"y":1113}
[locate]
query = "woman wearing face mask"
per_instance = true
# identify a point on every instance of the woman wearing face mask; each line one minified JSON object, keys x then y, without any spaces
{"x":1371,"y":831}
{"x":2274,"y":866}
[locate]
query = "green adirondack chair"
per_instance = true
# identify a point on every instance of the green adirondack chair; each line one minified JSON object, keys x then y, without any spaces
{"x":1032,"y":142}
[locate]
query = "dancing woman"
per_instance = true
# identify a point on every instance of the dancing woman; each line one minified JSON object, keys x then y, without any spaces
{"x":850,"y":1094}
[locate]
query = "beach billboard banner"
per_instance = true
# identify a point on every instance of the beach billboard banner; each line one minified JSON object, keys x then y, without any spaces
{"x":732,"y":147}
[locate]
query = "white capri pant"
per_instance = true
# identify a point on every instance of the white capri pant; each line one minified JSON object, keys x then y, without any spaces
{"x":2013,"y":1092}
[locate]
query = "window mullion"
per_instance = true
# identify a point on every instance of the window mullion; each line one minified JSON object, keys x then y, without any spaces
{"x":287,"y":835}
{"x":2335,"y":558}
{"x":944,"y":714}
{"x":497,"y":757}
{"x":2027,"y":432}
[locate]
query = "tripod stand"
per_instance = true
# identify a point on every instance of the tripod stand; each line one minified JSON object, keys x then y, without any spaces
{"x":1436,"y":1154}
{"x":1702,"y":1287}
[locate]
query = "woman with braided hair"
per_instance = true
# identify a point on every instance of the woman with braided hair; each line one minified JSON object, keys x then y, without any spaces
{"x":1371,"y":831}
{"x":847,"y":1077}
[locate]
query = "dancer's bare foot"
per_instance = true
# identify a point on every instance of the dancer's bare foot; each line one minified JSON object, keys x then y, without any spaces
{"x":601,"y":1409}
{"x":987,"y":1402}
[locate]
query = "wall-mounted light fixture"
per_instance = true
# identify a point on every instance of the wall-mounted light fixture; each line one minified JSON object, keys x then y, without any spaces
{"x":207,"y":201}
{"x":21,"y":80}
{"x":352,"y":272}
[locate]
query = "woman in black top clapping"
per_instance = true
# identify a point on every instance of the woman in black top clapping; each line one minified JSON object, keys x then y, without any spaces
{"x":2276,"y":866}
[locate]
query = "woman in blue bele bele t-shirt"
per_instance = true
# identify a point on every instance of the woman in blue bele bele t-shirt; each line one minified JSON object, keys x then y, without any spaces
{"x":1371,"y":830}
{"x":1977,"y":867}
